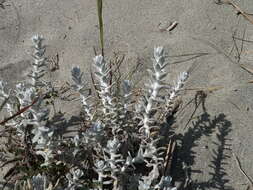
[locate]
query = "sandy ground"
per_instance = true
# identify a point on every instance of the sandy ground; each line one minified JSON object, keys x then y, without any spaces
{"x":202,"y":43}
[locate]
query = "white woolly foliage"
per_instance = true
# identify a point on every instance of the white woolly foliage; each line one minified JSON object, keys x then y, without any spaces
{"x":79,"y":86}
{"x":38,"y":65}
{"x":73,"y":178}
{"x":102,"y":74}
{"x":156,"y":84}
{"x":27,"y":95}
{"x":118,"y":136}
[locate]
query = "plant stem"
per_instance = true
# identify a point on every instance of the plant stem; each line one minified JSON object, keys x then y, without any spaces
{"x":100,"y":20}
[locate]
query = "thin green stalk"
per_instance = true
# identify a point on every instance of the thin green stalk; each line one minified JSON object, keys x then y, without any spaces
{"x":100,"y":20}
{"x":101,"y":31}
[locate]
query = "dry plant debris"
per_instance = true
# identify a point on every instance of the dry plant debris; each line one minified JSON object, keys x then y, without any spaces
{"x":237,"y":8}
{"x":250,"y":180}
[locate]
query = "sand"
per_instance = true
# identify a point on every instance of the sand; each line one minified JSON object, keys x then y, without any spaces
{"x":202,"y":43}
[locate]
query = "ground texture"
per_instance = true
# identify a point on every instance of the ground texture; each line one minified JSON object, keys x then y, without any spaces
{"x":214,"y":123}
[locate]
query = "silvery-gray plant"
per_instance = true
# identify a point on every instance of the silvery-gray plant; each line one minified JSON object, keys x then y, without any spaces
{"x":42,"y":133}
{"x":120,"y":135}
{"x":152,"y":97}
{"x":80,"y":86}
{"x":39,"y":63}
{"x":114,"y":106}
{"x":109,"y":107}
{"x":31,"y":124}
{"x":147,"y":108}
{"x":73,"y":179}
{"x":116,"y":166}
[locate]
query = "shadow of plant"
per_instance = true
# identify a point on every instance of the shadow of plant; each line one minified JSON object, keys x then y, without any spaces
{"x":219,"y":180}
{"x":206,"y":126}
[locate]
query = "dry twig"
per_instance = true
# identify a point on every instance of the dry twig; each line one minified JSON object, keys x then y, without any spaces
{"x":171,"y":26}
{"x":238,"y":9}
{"x":246,"y":69}
{"x":250,"y":180}
{"x":19,"y":112}
{"x":170,"y":156}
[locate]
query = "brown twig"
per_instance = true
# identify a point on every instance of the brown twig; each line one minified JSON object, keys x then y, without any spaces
{"x":246,"y":69}
{"x":237,"y":38}
{"x":19,"y":112}
{"x":220,"y":51}
{"x":239,"y":52}
{"x":250,"y":180}
{"x":236,"y":47}
{"x":238,"y":9}
{"x":207,"y":89}
{"x":169,"y":157}
{"x":170,"y":27}
{"x":199,"y":99}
